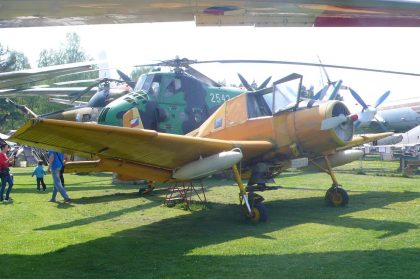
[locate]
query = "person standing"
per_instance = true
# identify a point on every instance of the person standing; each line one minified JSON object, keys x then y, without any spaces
{"x":55,"y":163}
{"x":39,"y":172}
{"x":6,"y":177}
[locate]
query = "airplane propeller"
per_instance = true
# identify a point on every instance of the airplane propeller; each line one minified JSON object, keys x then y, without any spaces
{"x":334,"y":122}
{"x":369,"y":113}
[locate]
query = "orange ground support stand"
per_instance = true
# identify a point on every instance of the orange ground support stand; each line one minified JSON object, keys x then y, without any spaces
{"x":184,"y":192}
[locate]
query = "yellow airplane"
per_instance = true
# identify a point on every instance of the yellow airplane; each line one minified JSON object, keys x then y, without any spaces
{"x":262,"y":13}
{"x":272,"y":128}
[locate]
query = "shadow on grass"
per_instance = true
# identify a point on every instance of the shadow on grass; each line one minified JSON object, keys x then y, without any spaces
{"x":71,"y":188}
{"x":98,"y":218}
{"x":168,"y":248}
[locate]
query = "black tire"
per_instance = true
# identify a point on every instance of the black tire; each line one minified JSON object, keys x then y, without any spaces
{"x":260,"y":213}
{"x":336,"y":196}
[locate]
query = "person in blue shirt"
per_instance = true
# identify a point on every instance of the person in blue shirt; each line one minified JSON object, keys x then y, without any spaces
{"x":39,"y":173}
{"x":55,"y":163}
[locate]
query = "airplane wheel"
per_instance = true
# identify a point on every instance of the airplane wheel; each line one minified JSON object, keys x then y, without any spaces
{"x":147,"y":190}
{"x":259,"y":213}
{"x":336,"y":196}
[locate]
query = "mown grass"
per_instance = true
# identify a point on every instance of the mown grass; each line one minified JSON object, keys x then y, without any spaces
{"x":109,"y":231}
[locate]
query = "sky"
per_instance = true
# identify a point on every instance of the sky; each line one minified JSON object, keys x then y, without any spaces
{"x":126,"y":45}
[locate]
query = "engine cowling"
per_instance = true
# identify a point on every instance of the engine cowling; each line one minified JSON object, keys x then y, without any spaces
{"x":304,"y":128}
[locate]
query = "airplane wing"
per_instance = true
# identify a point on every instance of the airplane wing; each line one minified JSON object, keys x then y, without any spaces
{"x":148,"y":148}
{"x":263,"y":13}
{"x":9,"y":80}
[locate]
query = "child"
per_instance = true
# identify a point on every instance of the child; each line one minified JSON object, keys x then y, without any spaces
{"x":40,"y":172}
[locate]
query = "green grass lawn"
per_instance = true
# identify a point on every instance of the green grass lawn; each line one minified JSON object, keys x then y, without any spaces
{"x":109,"y":231}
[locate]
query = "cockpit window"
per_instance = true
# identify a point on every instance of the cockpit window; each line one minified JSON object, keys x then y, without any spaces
{"x":286,"y":93}
{"x":257,"y":106}
{"x":144,"y":83}
{"x":173,"y":86}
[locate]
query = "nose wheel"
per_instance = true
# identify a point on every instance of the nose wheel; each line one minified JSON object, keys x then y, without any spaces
{"x":336,"y":196}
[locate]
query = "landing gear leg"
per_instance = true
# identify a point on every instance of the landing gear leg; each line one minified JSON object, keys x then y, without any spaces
{"x":251,"y":204}
{"x":336,"y":195}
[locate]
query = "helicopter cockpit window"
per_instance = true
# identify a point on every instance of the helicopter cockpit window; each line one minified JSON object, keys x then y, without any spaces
{"x":173,"y":86}
{"x":144,"y":83}
{"x":155,"y":89}
{"x":286,"y":93}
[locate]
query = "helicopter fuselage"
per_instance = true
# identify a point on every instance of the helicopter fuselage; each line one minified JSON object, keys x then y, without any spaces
{"x":172,"y":102}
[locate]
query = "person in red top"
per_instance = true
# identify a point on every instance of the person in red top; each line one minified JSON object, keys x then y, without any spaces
{"x":5,"y":172}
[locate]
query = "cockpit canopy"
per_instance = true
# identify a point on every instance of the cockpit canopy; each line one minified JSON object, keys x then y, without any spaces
{"x":283,"y":96}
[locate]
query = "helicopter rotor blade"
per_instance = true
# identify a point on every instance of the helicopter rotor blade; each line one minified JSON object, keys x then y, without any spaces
{"x":22,"y":108}
{"x":325,"y":71}
{"x":308,"y":64}
{"x":80,"y":95}
{"x":185,"y":62}
{"x":80,"y":81}
{"x":201,"y":76}
{"x":126,"y":78}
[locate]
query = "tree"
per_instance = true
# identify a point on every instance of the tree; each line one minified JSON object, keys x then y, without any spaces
{"x":11,"y":60}
{"x":137,"y":72}
{"x":69,"y":52}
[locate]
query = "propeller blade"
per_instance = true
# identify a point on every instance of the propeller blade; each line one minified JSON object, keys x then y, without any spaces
{"x":245,"y":83}
{"x":381,"y":122}
{"x":321,"y":93}
{"x":264,"y":84}
{"x":126,"y":78}
{"x":358,"y":98}
{"x":337,"y":87}
{"x":383,"y":127}
{"x":357,"y":124}
{"x":333,"y":122}
{"x":382,"y":98}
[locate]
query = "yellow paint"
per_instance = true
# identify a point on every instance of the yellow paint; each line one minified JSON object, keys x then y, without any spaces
{"x":132,"y":115}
